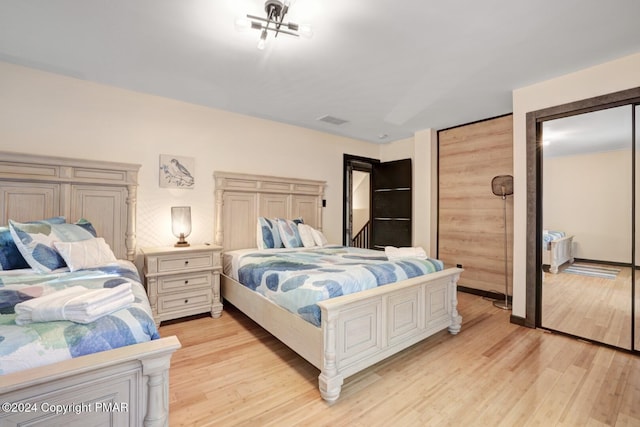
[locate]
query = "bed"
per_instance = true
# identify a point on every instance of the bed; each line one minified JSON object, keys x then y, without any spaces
{"x":356,"y":330}
{"x":121,"y":384}
{"x":557,"y":249}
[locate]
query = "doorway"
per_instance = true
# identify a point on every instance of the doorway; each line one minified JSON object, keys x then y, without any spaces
{"x":356,"y":219}
{"x":377,"y":207}
{"x":361,"y":209}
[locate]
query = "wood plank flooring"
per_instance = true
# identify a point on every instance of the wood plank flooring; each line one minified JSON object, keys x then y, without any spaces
{"x":591,"y":307}
{"x":231,"y":372}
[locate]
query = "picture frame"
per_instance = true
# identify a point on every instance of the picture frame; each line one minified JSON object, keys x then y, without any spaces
{"x":176,"y":171}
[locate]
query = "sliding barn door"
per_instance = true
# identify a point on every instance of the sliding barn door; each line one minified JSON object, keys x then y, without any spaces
{"x":391,"y":204}
{"x":470,"y":216}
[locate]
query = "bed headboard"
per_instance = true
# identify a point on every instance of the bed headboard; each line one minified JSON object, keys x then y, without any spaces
{"x":242,"y":198}
{"x":34,"y":187}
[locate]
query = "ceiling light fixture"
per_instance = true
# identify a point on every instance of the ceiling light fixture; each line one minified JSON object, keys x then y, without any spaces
{"x":276,"y":11}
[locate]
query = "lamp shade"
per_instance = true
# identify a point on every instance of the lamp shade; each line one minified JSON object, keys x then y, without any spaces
{"x":181,"y":223}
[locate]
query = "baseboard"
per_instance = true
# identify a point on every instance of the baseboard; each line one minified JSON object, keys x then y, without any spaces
{"x":596,"y":261}
{"x":517,"y":320}
{"x":483,"y":293}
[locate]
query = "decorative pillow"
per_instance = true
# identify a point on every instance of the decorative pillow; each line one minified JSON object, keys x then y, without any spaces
{"x":10,"y":256}
{"x":35,"y":241}
{"x":306,"y":235}
{"x":318,"y":237}
{"x":289,"y":233}
{"x":85,"y":253}
{"x":267,"y":236}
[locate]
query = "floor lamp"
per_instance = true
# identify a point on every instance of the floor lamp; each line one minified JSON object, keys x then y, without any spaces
{"x":502,"y":185}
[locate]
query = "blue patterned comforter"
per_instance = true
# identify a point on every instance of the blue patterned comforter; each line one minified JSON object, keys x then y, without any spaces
{"x":549,"y":236}
{"x":38,"y":344}
{"x":297,"y":279}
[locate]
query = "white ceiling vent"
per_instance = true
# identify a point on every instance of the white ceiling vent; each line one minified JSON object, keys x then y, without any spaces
{"x":332,"y":120}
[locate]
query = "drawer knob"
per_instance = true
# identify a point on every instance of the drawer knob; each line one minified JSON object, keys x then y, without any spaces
{"x":186,"y":282}
{"x":186,"y":262}
{"x":186,"y":301}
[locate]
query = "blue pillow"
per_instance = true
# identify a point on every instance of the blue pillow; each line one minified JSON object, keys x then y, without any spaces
{"x":289,"y":233}
{"x":83,"y":223}
{"x":267,"y":234}
{"x":10,"y":256}
{"x":35,"y":241}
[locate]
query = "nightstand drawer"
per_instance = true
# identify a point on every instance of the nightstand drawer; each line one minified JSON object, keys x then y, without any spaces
{"x":187,"y":261}
{"x":184,"y":301}
{"x":184,"y":282}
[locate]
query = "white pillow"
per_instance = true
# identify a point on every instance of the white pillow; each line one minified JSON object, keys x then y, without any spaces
{"x":306,"y":235}
{"x":318,"y":237}
{"x":85,"y":253}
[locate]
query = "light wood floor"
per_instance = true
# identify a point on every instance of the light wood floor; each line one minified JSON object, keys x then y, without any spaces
{"x":231,"y":372}
{"x":590,"y":307}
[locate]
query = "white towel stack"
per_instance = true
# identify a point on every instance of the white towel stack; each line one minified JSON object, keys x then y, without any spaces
{"x":394,"y":253}
{"x":77,"y":304}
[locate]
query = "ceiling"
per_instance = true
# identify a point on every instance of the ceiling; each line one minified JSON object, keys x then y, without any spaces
{"x":387,"y":67}
{"x":599,"y":131}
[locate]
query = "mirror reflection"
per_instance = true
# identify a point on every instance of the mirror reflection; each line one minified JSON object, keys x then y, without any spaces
{"x":587,"y":225}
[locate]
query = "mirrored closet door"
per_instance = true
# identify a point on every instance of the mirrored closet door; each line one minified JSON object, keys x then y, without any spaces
{"x":588,"y":176}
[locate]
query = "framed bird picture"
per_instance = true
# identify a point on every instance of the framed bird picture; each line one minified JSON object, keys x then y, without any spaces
{"x":176,"y":171}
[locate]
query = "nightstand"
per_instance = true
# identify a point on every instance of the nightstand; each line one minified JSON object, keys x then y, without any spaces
{"x":183,"y":281}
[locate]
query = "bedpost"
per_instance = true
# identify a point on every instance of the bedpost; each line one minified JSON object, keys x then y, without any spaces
{"x":456,"y":319}
{"x":320,"y":202}
{"x":219,"y":237}
{"x":130,"y":236}
{"x":157,"y":372}
{"x":330,"y":382}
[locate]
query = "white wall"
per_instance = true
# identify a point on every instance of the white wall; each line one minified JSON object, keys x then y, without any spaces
{"x":422,"y":149}
{"x":606,"y":78}
{"x":589,"y":196}
{"x":56,"y":115}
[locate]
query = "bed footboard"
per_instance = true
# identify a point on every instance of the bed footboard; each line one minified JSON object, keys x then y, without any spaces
{"x":120,"y":387}
{"x":559,"y":252}
{"x":364,"y":328}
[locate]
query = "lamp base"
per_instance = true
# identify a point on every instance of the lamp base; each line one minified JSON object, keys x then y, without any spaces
{"x":183,"y":244}
{"x":503,"y":305}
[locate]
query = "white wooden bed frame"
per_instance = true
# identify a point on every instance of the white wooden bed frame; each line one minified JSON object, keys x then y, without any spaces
{"x":357,"y":330}
{"x":132,"y":381}
{"x":558,"y":252}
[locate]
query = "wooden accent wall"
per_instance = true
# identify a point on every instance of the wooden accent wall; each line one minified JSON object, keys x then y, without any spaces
{"x":470,"y":216}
